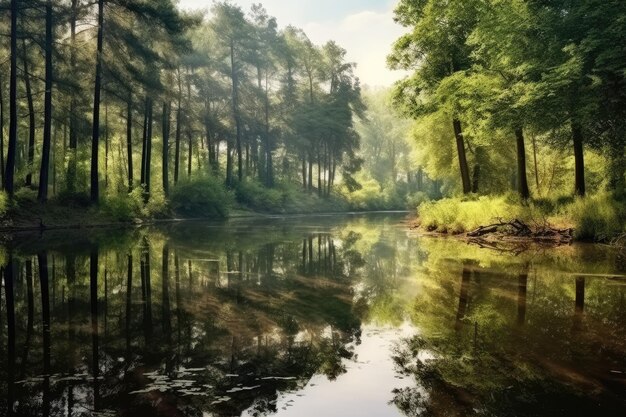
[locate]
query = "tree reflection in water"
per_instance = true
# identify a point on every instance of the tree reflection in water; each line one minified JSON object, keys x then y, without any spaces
{"x":199,"y":318}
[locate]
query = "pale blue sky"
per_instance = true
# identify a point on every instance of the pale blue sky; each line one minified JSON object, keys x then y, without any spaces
{"x":364,"y":27}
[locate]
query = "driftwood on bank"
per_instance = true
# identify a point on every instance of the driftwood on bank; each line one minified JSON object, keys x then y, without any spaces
{"x":517,"y":229}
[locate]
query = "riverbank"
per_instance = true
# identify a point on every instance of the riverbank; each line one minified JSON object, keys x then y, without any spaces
{"x":600,"y":218}
{"x":28,"y":215}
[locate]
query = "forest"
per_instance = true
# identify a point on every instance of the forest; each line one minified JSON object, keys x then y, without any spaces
{"x":125,"y":109}
{"x":133,"y":103}
{"x":528,"y":96}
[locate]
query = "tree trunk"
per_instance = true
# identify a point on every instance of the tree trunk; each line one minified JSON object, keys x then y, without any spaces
{"x":177,"y":135}
{"x":31,"y":118}
{"x":269,"y":163}
{"x":148,"y":166}
{"x":95,"y":140}
{"x":235,"y":92}
{"x":303,"y":172}
{"x":144,"y":143}
{"x":47,"y":124}
{"x":229,"y":163}
{"x":310,"y":182}
{"x":522,"y":180}
{"x":10,"y":168}
{"x":2,"y":167}
{"x":460,"y":147}
{"x":535,"y":163}
{"x":166,"y":146}
{"x":579,"y":160}
{"x":190,"y":154}
{"x":129,"y":139}
{"x":476,"y":179}
{"x":73,"y":142}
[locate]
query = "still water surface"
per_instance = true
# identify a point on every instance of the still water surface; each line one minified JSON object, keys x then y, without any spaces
{"x":321,"y":316}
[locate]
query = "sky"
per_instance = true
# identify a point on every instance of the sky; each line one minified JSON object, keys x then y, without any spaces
{"x":365,"y":28}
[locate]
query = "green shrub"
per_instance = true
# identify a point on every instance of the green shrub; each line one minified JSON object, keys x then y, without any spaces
{"x":596,"y":218}
{"x":416,"y":199}
{"x":254,"y":195}
{"x":201,"y":197}
{"x":25,"y":195}
{"x":5,"y":203}
{"x":123,"y":207}
{"x":73,"y":199}
{"x":157,"y":206}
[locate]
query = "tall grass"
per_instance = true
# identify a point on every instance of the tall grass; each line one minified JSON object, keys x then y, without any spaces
{"x":595,"y":218}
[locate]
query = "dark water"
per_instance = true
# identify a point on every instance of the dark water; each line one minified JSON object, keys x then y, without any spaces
{"x":327,"y":316}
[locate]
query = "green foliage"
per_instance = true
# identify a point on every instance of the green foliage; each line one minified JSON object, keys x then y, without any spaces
{"x":157,"y":206}
{"x":123,"y":207}
{"x":72,"y":199}
{"x":370,"y":197}
{"x":25,"y":196}
{"x":597,"y":218}
{"x":201,"y":197}
{"x":455,"y":215}
{"x":5,"y":203}
{"x":254,"y":195}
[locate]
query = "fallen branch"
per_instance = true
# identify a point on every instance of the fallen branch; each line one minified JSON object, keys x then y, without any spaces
{"x":518,"y":229}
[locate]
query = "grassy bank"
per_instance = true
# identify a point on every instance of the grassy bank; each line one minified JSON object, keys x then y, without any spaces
{"x":597,"y":218}
{"x":198,"y":198}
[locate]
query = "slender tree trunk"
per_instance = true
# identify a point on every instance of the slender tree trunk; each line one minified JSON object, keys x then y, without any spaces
{"x":178,"y":122}
{"x":522,"y":179}
{"x":190,"y":154}
{"x":106,"y":145}
{"x":10,"y":168}
{"x":166,"y":148}
{"x":269,"y":163}
{"x":144,"y":142}
{"x":535,"y":163}
{"x":229,"y":163}
{"x":129,"y":139}
{"x":47,"y":124}
{"x":476,"y":176}
{"x":319,"y":174}
{"x":579,"y":160}
{"x":235,"y":94}
{"x":73,"y":142}
{"x":2,"y":166}
{"x":148,"y":166}
{"x":310,"y":182}
{"x":460,"y":146}
{"x":303,"y":172}
{"x":31,"y":118}
{"x":95,"y":140}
